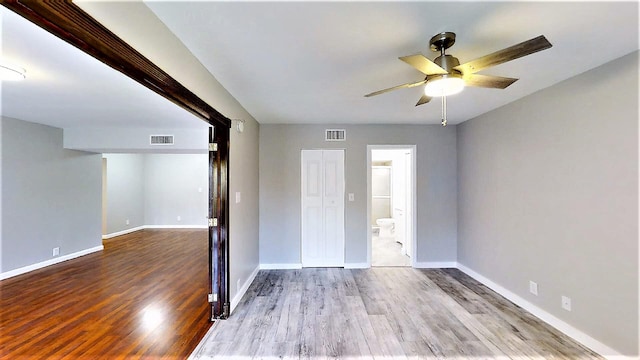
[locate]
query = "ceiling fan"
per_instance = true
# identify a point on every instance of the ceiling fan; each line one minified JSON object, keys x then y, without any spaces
{"x":446,"y":76}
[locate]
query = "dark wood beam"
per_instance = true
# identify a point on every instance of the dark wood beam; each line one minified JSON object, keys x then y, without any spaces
{"x":70,"y":23}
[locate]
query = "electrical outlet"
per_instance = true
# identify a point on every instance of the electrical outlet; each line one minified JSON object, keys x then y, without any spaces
{"x":352,"y":197}
{"x":238,"y":197}
{"x":179,"y":218}
{"x":566,"y":303}
{"x":199,"y":189}
{"x":56,"y":251}
{"x":127,"y":222}
{"x":533,"y":288}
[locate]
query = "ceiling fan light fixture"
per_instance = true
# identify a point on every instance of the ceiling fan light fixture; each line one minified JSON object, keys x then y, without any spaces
{"x":11,"y":72}
{"x":444,"y":85}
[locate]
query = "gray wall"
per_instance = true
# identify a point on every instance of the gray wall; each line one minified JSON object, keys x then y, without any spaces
{"x":125,"y":191}
{"x":243,"y":216}
{"x":136,"y":140}
{"x":548,"y":191}
{"x":280,"y":147}
{"x":171,"y":189}
{"x":154,"y":189}
{"x":1,"y":122}
{"x":43,"y":186}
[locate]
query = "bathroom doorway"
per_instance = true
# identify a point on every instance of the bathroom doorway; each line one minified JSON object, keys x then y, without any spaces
{"x":391,"y":205}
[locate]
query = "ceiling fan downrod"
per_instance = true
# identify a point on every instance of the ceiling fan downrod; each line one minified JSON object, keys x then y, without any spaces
{"x":444,"y":111}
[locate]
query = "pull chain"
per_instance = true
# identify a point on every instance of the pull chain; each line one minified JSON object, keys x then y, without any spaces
{"x":444,"y":111}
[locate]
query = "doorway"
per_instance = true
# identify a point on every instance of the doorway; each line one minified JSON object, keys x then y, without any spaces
{"x":322,"y":208}
{"x":391,"y":205}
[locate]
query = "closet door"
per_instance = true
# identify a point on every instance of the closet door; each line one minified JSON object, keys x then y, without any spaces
{"x":322,"y":208}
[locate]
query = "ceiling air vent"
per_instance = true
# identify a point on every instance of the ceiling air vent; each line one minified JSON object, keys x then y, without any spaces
{"x":335,"y":135}
{"x":161,"y":140}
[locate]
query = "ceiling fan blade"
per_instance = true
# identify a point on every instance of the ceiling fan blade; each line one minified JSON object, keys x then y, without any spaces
{"x":424,"y":65}
{"x":511,"y":53}
{"x":488,"y":81}
{"x":423,"y":100}
{"x":409,"y":85}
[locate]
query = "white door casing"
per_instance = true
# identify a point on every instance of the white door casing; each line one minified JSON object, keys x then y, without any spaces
{"x":322,"y":208}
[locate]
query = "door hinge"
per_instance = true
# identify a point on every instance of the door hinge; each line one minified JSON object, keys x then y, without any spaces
{"x":225,"y":311}
{"x":213,"y":222}
{"x":212,"y":298}
{"x":213,"y":146}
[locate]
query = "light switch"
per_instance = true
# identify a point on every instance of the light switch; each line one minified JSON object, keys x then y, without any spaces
{"x":237,"y":197}
{"x":351,"y":197}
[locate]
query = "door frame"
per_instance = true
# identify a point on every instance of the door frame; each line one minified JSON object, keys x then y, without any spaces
{"x":219,"y":221}
{"x":413,"y":200}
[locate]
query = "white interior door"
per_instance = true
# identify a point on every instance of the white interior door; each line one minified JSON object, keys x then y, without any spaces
{"x":408,"y":198}
{"x":322,"y":208}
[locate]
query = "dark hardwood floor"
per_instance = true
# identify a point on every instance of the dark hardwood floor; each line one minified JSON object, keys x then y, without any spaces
{"x":144,"y":296}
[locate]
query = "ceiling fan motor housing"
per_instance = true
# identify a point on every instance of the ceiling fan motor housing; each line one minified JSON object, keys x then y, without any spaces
{"x":448,"y":63}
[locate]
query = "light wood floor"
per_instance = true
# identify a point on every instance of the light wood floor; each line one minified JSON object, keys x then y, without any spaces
{"x":381,"y":313}
{"x":144,"y":296}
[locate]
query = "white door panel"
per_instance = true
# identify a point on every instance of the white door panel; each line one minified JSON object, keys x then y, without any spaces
{"x":322,"y":208}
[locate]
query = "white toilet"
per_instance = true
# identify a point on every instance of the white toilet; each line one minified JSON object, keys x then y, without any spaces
{"x":386,"y":227}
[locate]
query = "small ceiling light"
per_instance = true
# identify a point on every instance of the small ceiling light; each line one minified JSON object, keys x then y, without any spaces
{"x":444,"y":85}
{"x":11,"y":72}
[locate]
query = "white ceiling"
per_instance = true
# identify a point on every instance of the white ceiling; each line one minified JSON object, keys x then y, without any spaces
{"x":312,"y":62}
{"x":67,"y":88}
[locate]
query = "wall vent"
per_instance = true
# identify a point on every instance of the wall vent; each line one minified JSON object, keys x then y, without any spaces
{"x":161,"y":140}
{"x":335,"y":135}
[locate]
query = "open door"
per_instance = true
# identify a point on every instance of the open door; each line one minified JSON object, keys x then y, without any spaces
{"x":218,"y":221}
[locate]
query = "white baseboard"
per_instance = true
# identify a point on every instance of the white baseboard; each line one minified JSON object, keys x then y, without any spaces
{"x":236,"y":299}
{"x":543,"y":315}
{"x":280,"y":266}
{"x":435,"y":264}
{"x":137,"y":228}
{"x":40,"y":265}
{"x":363,"y":265}
{"x":175,"y":226}
{"x":123,"y":232}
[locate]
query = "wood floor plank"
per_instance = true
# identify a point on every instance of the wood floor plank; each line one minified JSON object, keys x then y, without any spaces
{"x":144,"y":295}
{"x":383,"y":313}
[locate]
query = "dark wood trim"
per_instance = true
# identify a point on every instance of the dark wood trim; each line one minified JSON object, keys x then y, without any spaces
{"x":219,"y":209}
{"x":70,"y":23}
{"x":223,"y":149}
{"x":214,"y":288}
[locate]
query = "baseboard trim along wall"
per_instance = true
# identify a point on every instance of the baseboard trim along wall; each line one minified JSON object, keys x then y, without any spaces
{"x":123,"y":232}
{"x":40,"y":265}
{"x":243,"y":290}
{"x":436,"y":265}
{"x":137,"y":228}
{"x":175,"y":226}
{"x":280,"y":266}
{"x":560,"y":325}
